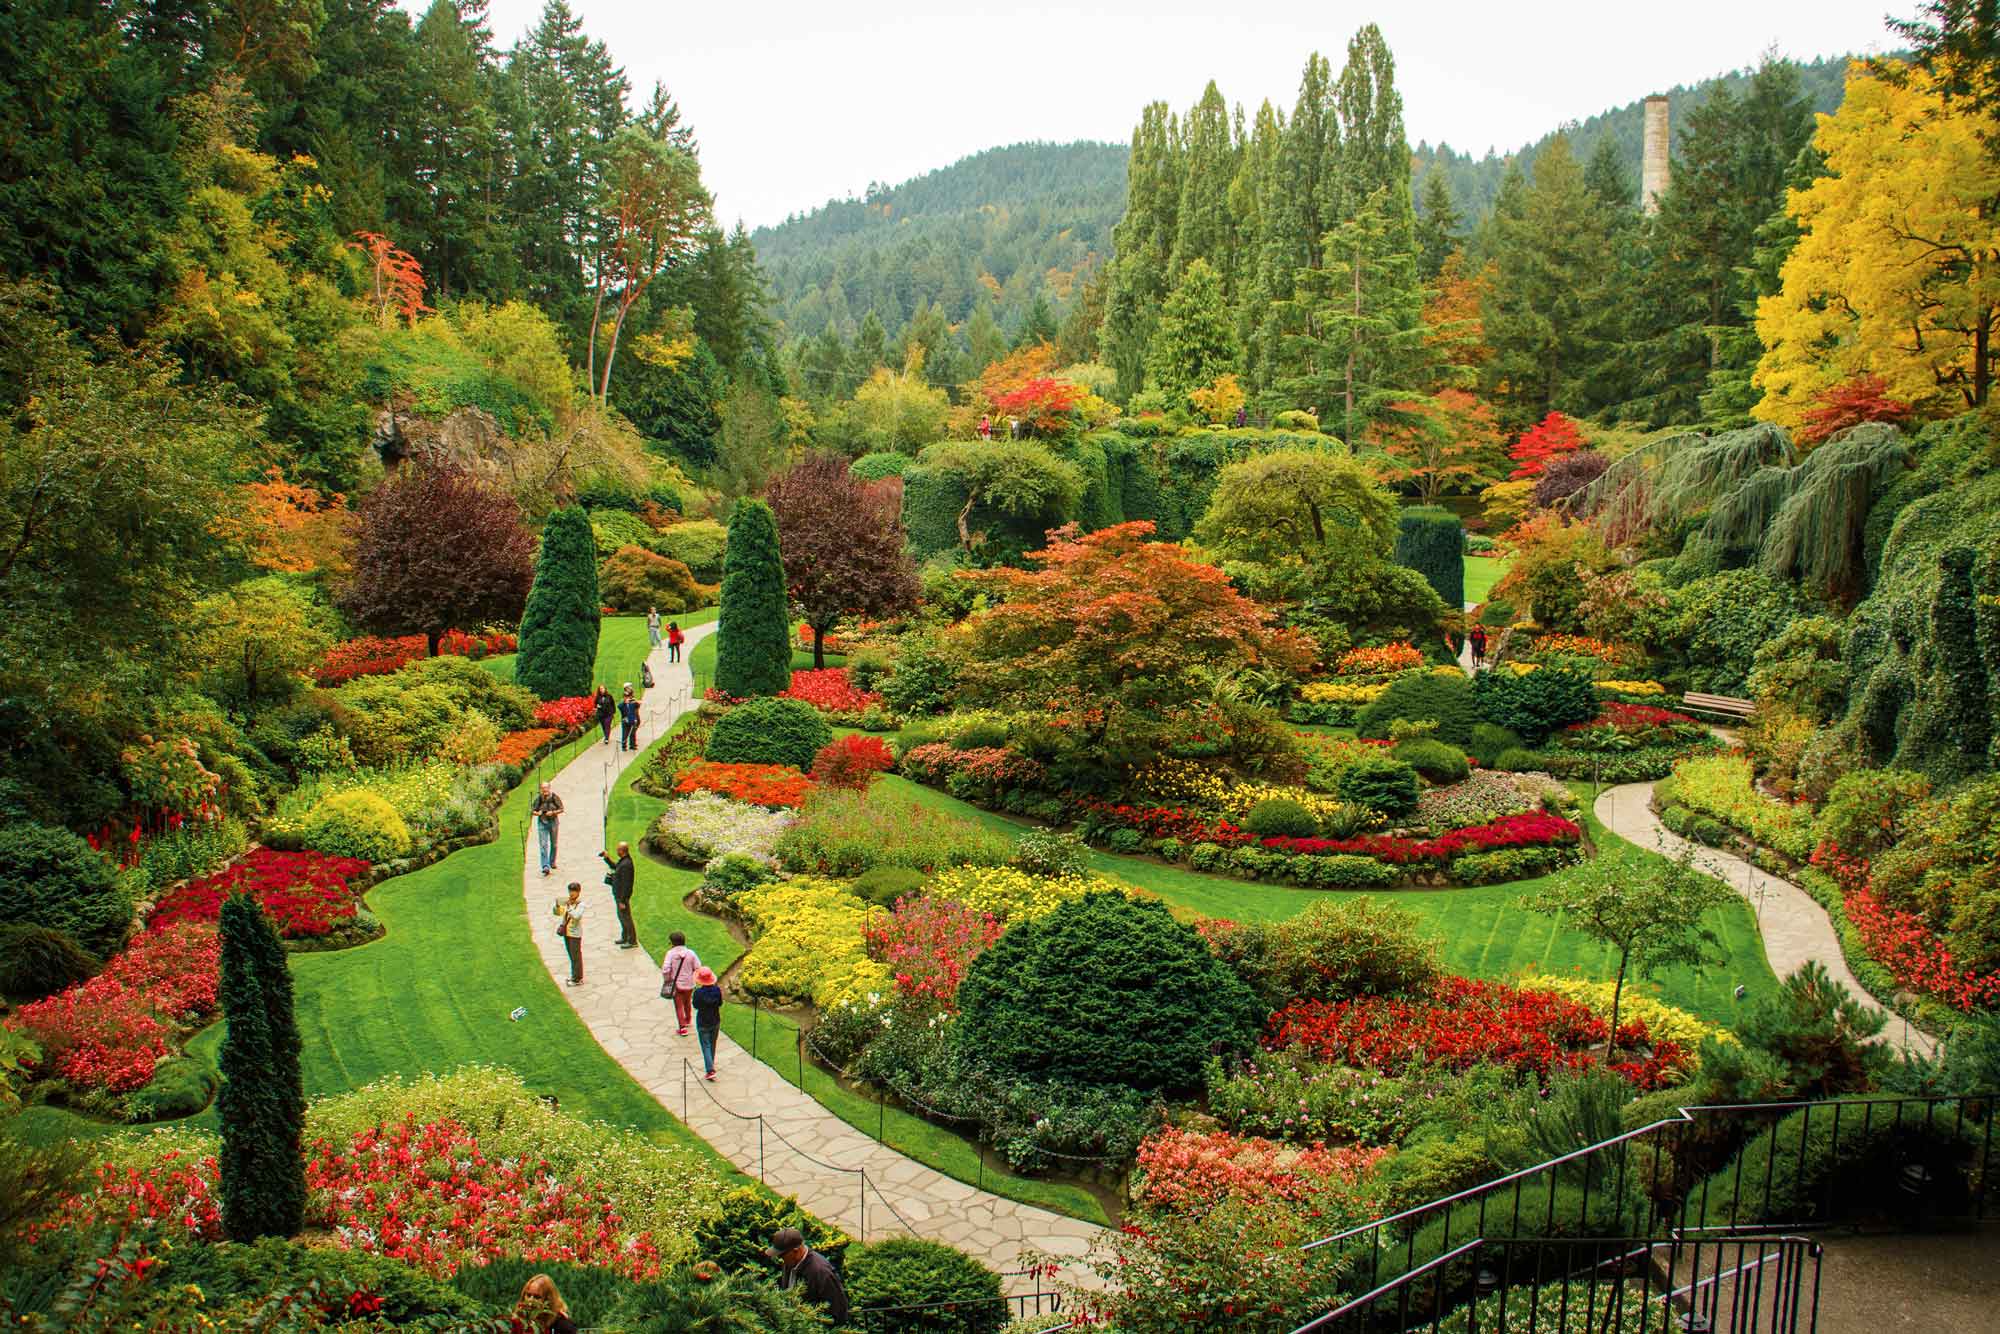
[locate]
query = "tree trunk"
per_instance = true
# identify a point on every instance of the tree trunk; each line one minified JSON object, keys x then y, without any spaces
{"x":596,"y":315}
{"x":1982,"y":351}
{"x":964,"y":517}
{"x":611,"y":354}
{"x":431,"y":638}
{"x":1617,"y":996}
{"x":819,"y":647}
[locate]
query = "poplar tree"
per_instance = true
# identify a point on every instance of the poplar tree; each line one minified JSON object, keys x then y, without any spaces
{"x":753,"y":650}
{"x":1301,"y":202}
{"x":1142,"y":243}
{"x":262,"y":1101}
{"x":558,"y":640}
{"x":1203,"y":226}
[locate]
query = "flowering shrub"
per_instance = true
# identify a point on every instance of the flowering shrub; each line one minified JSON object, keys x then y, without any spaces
{"x":1184,"y":1170}
{"x":1479,"y":798}
{"x":846,"y":833}
{"x":168,"y":775}
{"x":1664,"y":1022}
{"x":809,"y":944}
{"x":1190,"y":783}
{"x":370,"y":655}
{"x":1344,"y":692}
{"x":1903,"y":942}
{"x":705,"y":825}
{"x":828,"y":690}
{"x":1582,"y":646}
{"x":927,"y":943}
{"x":476,"y":643}
{"x":305,"y":894}
{"x":109,"y":1032}
{"x":1722,"y":787}
{"x":520,"y":748}
{"x":1631,"y":687}
{"x":1622,"y":726}
{"x":1384,"y":661}
{"x":1531,"y":830}
{"x":851,"y":761}
{"x":571,"y":713}
{"x":757,"y":784}
{"x":1008,"y":894}
{"x":1466,"y":1022}
{"x":988,"y":768}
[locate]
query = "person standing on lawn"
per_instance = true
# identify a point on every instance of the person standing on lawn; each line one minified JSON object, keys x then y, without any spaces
{"x":628,"y":720}
{"x":548,"y":808}
{"x":707,"y":1001}
{"x":623,"y":873}
{"x":606,"y":710}
{"x":570,"y":928}
{"x":678,"y":972}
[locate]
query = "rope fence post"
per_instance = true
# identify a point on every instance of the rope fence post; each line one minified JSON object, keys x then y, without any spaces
{"x":760,"y":1147}
{"x":881,"y":1114}
{"x":864,"y":1206}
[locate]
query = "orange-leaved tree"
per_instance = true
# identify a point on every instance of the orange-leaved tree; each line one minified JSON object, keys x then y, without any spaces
{"x":1449,"y":442}
{"x":1117,"y":640}
{"x":1864,"y":398}
{"x":396,"y":280}
{"x":292,"y":529}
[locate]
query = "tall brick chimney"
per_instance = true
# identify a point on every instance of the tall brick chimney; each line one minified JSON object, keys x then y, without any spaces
{"x":1655,"y":165}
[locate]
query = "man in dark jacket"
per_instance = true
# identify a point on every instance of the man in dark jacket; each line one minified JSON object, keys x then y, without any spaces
{"x":623,"y":873}
{"x":806,"y":1269}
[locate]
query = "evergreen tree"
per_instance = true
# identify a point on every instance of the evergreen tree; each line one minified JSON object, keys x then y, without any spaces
{"x":940,"y":358}
{"x":1196,"y":340}
{"x":983,"y":333}
{"x":1038,"y":326}
{"x":1141,"y":243}
{"x":456,"y":156}
{"x":676,"y":406}
{"x":1374,"y":150}
{"x":1437,"y":227}
{"x":262,"y":1104}
{"x":1203,"y":229}
{"x":753,"y":650}
{"x":1301,"y":204}
{"x":558,"y":639}
{"x":870,"y":351}
{"x":1247,"y":199}
{"x":1608,"y":177}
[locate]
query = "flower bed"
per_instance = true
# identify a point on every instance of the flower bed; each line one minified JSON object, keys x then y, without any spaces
{"x":809,"y":945}
{"x":1534,"y":829}
{"x":1011,"y":895}
{"x":1558,"y":646}
{"x":846,"y":833}
{"x":927,"y":943}
{"x":519,"y":749}
{"x":110,"y":1032}
{"x":1384,"y":661}
{"x":829,"y":690}
{"x":1187,"y":1170}
{"x":1663,"y":1022}
{"x":1903,"y":942}
{"x":705,"y":825}
{"x":975,"y":774}
{"x":373,"y":655}
{"x":1464,"y":1023}
{"x":437,"y":800}
{"x":476,"y":644}
{"x":1335,"y":703}
{"x":1723,"y":788}
{"x":305,"y":894}
{"x":754,"y":784}
{"x":571,"y":713}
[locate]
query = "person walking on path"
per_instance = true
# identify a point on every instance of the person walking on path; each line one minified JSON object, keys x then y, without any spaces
{"x":623,"y":873}
{"x":606,"y":711}
{"x":548,"y":808}
{"x":628,"y":720}
{"x":653,"y":626}
{"x":542,"y":1309}
{"x":570,"y":927}
{"x":678,"y":972}
{"x":802,"y":1267}
{"x":674,"y":641}
{"x":707,"y":1001}
{"x":1478,"y":645}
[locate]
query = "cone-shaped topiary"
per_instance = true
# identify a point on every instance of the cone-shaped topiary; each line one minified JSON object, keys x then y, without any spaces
{"x":558,"y":642}
{"x":753,"y":649}
{"x":1431,"y":541}
{"x":262,"y":1102}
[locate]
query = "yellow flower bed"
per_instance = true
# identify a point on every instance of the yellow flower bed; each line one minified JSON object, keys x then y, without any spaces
{"x":1188,"y":783}
{"x":1664,"y":1022}
{"x":1011,"y":895}
{"x":1342,"y":692}
{"x":1633,"y":687}
{"x":809,"y":944}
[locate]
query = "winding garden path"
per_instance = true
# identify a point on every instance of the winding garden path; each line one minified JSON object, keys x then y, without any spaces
{"x":796,"y":1145}
{"x":1795,"y":929}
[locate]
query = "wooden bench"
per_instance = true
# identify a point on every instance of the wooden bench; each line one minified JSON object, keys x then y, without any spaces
{"x":1721,"y":706}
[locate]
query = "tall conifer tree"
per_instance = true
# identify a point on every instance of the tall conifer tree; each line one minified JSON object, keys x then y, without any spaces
{"x":559,"y":628}
{"x":261,"y":1105}
{"x":753,"y":651}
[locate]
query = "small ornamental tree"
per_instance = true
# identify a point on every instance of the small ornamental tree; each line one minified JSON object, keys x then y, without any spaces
{"x":1551,"y":437}
{"x":262,"y":1102}
{"x":842,"y":540}
{"x":559,"y":628}
{"x":1105,"y":990}
{"x":435,"y":550}
{"x":1648,"y":918}
{"x":1865,"y":398}
{"x":753,"y":649}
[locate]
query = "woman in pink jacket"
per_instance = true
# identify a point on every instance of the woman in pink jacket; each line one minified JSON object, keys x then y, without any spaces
{"x":677,"y":972}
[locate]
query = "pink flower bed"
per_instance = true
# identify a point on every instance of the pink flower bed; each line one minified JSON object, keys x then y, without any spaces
{"x":929,"y":943}
{"x":1188,"y":1171}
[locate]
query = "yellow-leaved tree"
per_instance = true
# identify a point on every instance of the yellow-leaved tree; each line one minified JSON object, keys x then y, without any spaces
{"x":1897,"y":271}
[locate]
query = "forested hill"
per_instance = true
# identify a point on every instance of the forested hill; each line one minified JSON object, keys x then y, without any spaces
{"x":1009,"y":223}
{"x":1475,"y":181}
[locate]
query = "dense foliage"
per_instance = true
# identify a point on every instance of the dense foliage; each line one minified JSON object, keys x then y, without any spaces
{"x":753,"y":653}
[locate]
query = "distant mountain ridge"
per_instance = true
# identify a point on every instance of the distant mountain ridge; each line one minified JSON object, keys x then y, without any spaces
{"x":1035,"y":218}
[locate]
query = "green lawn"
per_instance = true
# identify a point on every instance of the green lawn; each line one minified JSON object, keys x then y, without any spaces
{"x":1481,"y":573}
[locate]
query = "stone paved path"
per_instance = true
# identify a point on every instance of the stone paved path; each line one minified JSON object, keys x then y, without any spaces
{"x":800,"y":1148}
{"x":1794,"y":927}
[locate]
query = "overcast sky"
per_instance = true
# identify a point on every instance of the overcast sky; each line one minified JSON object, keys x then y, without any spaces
{"x":796,"y":103}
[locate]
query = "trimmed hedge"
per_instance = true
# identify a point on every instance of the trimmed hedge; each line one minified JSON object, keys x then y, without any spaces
{"x":1431,"y":541}
{"x":769,"y":731}
{"x":905,"y":1272}
{"x":1427,"y":696}
{"x":1536,"y":703}
{"x":357,"y":823}
{"x":1434,"y":760}
{"x":559,"y":626}
{"x":1386,"y":785}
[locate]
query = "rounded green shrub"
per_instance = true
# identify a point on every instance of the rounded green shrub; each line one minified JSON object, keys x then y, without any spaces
{"x":37,"y":961}
{"x":1053,"y":852}
{"x":357,"y":823}
{"x":906,"y":1272}
{"x":1518,"y":759}
{"x":558,"y":639}
{"x":1105,"y":990}
{"x":875,"y":467}
{"x":228,"y":1271}
{"x":1434,"y":760}
{"x":1488,"y":743}
{"x":181,"y":1086}
{"x":925,"y":679}
{"x":1386,"y":785}
{"x":1280,"y":817}
{"x":979,"y":734}
{"x":769,"y":731}
{"x":753,"y":646}
{"x":1445,"y":698}
{"x":734,"y":873}
{"x":698,"y":545}
{"x":737,"y":1235}
{"x":49,"y":877}
{"x":1536,"y":703}
{"x":1294,"y":420}
{"x":594,"y":1295}
{"x":883,"y":885}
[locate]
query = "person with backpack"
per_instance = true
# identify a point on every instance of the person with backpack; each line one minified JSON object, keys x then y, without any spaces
{"x":628,"y":720}
{"x":678,"y":972}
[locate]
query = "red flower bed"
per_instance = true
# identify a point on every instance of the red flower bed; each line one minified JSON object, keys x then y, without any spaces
{"x":1903,"y":942}
{"x":852,"y":761}
{"x":519,"y":748}
{"x":995,"y":766}
{"x":758,"y":784}
{"x":109,"y":1033}
{"x":460,"y":643}
{"x":1531,"y":830}
{"x":572,"y":713}
{"x":929,"y":943}
{"x":1164,"y":821}
{"x":834,"y":643}
{"x":1466,"y":1022}
{"x":372,"y":655}
{"x":425,"y":1195}
{"x":303,"y":893}
{"x":828,"y":690}
{"x":1186,"y":1170}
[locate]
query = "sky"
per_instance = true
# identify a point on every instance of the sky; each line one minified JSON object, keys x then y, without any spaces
{"x":797,"y":103}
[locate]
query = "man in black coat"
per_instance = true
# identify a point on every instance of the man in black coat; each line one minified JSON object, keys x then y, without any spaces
{"x":806,"y":1269}
{"x":623,"y":873}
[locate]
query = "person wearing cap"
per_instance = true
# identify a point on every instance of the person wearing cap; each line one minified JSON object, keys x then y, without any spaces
{"x":707,"y":1003}
{"x":628,"y":719}
{"x":802,"y":1267}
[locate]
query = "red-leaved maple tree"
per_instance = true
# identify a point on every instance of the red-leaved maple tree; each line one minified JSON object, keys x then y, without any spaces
{"x":1865,"y":398}
{"x":842,"y":543}
{"x":1552,"y":436}
{"x":396,"y":280}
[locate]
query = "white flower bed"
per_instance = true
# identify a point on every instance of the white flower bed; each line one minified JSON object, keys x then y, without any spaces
{"x":705,"y":825}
